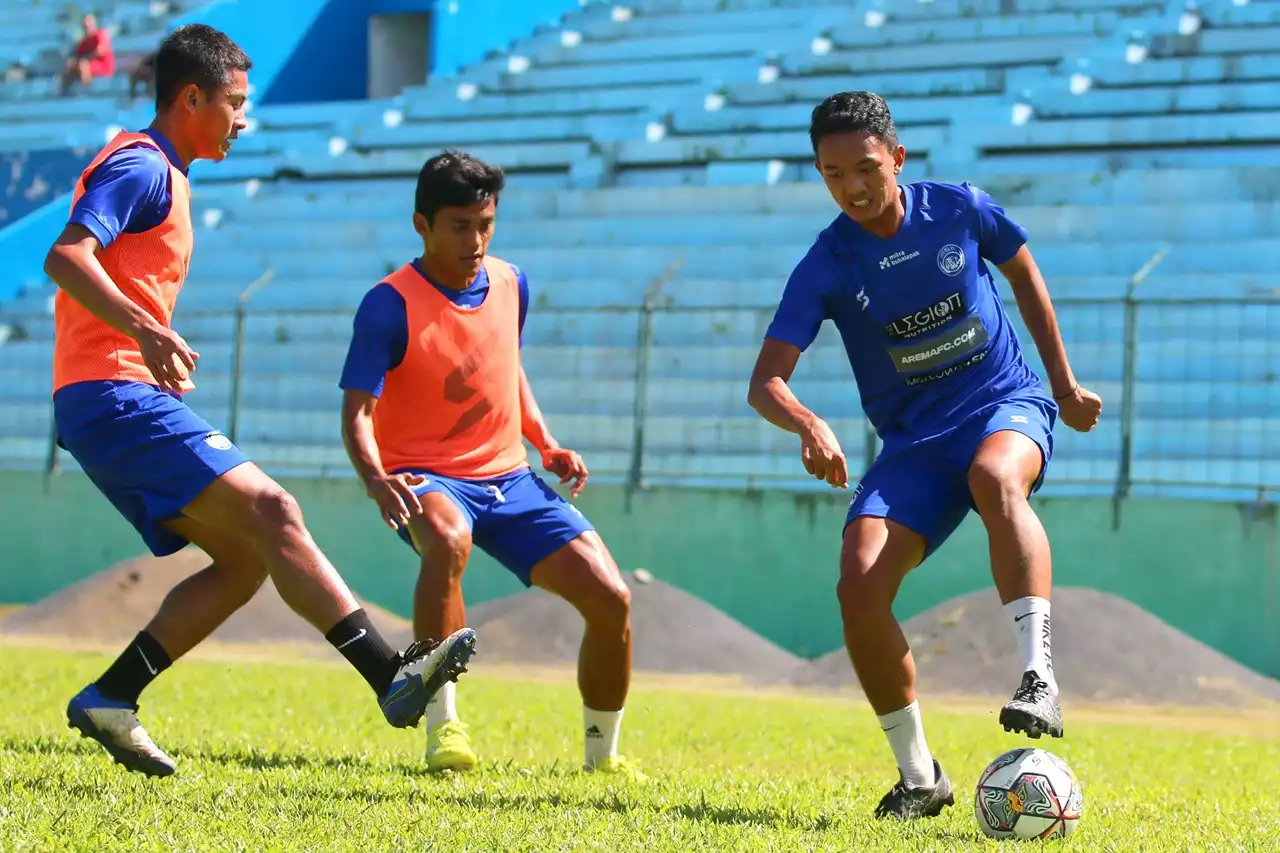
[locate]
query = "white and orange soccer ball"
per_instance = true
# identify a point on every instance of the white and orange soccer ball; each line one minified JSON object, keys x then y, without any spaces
{"x":1027,"y":794}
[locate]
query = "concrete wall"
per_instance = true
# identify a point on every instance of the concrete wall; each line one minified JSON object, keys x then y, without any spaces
{"x":318,"y":50}
{"x":768,"y":559}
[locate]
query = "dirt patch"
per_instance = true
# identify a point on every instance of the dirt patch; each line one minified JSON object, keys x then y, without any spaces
{"x":674,"y":632}
{"x":113,"y":605}
{"x":1105,"y":649}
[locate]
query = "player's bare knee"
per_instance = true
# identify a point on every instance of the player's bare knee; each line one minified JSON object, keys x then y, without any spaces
{"x":448,"y":546}
{"x":996,"y":483}
{"x":602,"y":597}
{"x":275,"y":511}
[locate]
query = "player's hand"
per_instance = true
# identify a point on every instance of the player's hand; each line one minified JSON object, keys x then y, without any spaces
{"x":167,"y":356}
{"x":822,"y":456}
{"x":1081,"y":409}
{"x":567,"y":465}
{"x":395,"y":497}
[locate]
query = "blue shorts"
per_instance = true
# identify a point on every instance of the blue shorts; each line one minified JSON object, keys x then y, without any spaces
{"x":517,"y":519}
{"x":144,"y":449}
{"x":925,"y":486}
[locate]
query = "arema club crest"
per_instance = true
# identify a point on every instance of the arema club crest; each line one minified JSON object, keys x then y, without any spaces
{"x":951,"y":259}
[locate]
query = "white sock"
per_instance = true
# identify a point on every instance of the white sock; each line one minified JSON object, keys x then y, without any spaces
{"x":601,"y":729}
{"x":905,"y":731}
{"x":1030,"y":620}
{"x":443,"y":708}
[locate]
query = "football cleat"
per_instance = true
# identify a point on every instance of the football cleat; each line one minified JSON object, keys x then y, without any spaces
{"x":425,"y":667}
{"x":449,"y":748}
{"x":617,"y":765}
{"x":115,"y":725}
{"x":1034,"y":709}
{"x":906,"y":802}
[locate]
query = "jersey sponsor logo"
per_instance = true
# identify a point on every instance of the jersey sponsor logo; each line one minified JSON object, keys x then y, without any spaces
{"x":926,"y":319}
{"x":950,"y":370}
{"x":941,"y":349}
{"x":951,"y":259}
{"x":890,"y":261}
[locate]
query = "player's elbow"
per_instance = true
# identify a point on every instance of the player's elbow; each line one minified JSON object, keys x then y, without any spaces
{"x":53,"y":264}
{"x":758,"y":393}
{"x":61,"y":263}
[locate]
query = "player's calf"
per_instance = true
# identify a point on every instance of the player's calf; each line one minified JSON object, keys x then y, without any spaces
{"x":1002,"y":476}
{"x":584,"y":574}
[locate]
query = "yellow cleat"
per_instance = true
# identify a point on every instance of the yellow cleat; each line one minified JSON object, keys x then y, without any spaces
{"x":449,"y":748}
{"x":619,"y":766}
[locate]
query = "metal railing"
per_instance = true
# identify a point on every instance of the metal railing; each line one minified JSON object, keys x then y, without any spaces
{"x":655,"y":393}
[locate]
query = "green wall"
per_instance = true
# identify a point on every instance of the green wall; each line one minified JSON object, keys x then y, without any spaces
{"x":766,"y":558}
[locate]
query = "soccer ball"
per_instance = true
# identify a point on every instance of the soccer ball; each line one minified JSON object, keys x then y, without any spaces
{"x":1028,"y":793}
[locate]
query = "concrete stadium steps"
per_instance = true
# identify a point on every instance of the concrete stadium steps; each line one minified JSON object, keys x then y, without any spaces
{"x":530,"y":156}
{"x":649,"y":262}
{"x":432,"y":105}
{"x":1092,"y":190}
{"x":901,"y":30}
{"x":306,"y":308}
{"x":904,"y":85}
{"x":986,"y":52}
{"x":1207,"y":223}
{"x":794,"y":118}
{"x":1208,"y":98}
{"x":942,"y":9}
{"x":1122,"y":131}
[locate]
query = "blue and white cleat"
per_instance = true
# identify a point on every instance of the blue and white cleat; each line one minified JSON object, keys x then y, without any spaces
{"x":425,"y":667}
{"x":115,"y":725}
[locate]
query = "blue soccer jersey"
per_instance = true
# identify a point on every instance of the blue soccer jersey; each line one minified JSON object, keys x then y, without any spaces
{"x":919,"y":313}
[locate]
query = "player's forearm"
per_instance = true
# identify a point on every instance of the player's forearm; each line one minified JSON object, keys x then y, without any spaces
{"x":1042,"y":323}
{"x":362,"y":448}
{"x":776,"y":403}
{"x":532,"y":425}
{"x":85,"y":281}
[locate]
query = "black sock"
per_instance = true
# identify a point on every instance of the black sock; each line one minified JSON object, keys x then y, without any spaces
{"x":365,"y":649}
{"x":136,"y":667}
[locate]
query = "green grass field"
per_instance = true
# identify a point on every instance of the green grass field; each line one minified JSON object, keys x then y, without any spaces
{"x":294,"y":756}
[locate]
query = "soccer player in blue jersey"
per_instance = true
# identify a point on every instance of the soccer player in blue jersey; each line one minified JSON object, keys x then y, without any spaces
{"x":903,"y":274}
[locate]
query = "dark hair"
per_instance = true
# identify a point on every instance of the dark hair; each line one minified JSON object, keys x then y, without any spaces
{"x":853,"y":112}
{"x":199,"y":54}
{"x":455,"y":179}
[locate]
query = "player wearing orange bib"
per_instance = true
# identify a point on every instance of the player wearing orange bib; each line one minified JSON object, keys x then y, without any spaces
{"x":119,"y":375}
{"x":435,"y":407}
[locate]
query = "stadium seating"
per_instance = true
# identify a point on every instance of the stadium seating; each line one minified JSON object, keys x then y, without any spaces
{"x":648,"y":164}
{"x":38,"y":36}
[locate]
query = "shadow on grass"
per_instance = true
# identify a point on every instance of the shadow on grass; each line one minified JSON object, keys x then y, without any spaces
{"x":250,"y":759}
{"x":355,"y":767}
{"x":702,"y":811}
